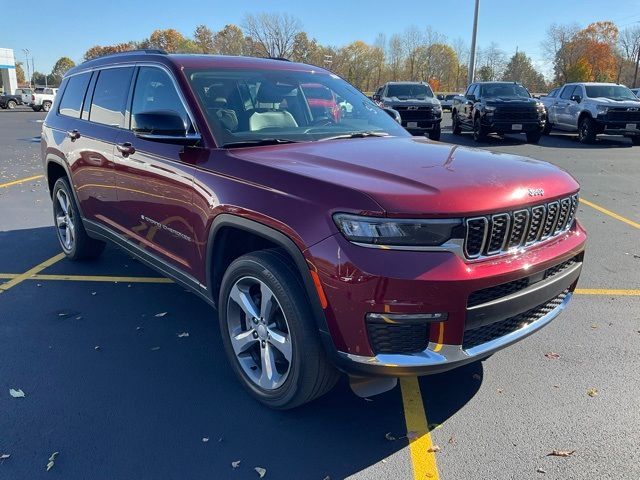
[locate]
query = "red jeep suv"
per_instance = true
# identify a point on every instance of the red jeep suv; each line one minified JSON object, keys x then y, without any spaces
{"x":327,"y":243}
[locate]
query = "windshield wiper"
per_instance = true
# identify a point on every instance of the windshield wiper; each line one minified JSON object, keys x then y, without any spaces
{"x":356,"y":135}
{"x":258,"y":142}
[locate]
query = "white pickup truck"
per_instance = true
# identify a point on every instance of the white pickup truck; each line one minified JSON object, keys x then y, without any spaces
{"x":593,"y":108}
{"x":42,"y":98}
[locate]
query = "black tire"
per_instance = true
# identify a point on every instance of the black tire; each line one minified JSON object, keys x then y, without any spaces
{"x":547,"y":127}
{"x":455,"y":123}
{"x":309,"y":373}
{"x":36,"y":108}
{"x":435,"y":133}
{"x":479,"y":132}
{"x":11,"y":104}
{"x":534,"y":137}
{"x":635,"y":140}
{"x":82,"y":247}
{"x":587,"y":130}
{"x":46,"y":105}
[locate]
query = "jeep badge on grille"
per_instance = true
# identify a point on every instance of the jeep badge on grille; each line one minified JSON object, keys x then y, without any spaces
{"x":536,"y":192}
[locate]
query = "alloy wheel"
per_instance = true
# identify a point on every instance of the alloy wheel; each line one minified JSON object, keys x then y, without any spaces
{"x":259,"y":333}
{"x":64,"y":220}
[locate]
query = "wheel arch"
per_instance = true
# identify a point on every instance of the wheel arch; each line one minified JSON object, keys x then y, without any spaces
{"x":265,"y":237}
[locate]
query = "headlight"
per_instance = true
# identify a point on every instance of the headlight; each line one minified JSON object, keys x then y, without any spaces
{"x":489,"y":109}
{"x":396,"y":232}
{"x":602,"y":109}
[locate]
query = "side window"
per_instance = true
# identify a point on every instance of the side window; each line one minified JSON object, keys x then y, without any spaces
{"x":578,"y":91}
{"x":469,"y":90}
{"x":71,"y":102}
{"x":567,"y":92}
{"x":155,"y":92}
{"x":110,"y":96}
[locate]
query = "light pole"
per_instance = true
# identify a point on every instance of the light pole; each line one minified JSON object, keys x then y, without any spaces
{"x":472,"y":57}
{"x":26,"y":58}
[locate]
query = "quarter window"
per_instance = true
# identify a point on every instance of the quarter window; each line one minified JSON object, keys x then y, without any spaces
{"x":155,"y":92}
{"x":71,"y":102}
{"x":110,"y":96}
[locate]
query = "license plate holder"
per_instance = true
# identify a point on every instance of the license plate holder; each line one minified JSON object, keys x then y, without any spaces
{"x":516,"y":127}
{"x":412,"y":124}
{"x":631,"y":126}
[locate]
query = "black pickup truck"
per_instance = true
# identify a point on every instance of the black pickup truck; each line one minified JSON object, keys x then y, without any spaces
{"x":420,"y":111}
{"x":10,"y":101}
{"x":498,"y":107}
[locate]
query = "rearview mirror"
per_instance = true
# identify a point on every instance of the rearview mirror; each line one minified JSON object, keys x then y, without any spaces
{"x":162,"y":126}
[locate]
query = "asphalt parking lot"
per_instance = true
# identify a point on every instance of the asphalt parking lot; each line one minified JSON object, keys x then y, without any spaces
{"x":112,"y":383}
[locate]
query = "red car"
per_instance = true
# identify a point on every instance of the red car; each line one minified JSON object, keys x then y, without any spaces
{"x":321,"y":101}
{"x":327,"y":246}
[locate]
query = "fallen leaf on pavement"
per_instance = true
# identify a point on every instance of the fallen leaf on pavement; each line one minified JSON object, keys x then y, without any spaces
{"x":561,"y":453}
{"x":433,"y":449}
{"x":594,"y":326}
{"x":235,"y":464}
{"x":540,"y":470}
{"x":162,"y":314}
{"x":16,"y":393}
{"x":552,"y":355}
{"x":592,"y":392}
{"x":261,"y":471}
{"x":52,"y":460}
{"x":389,"y":437}
{"x":500,"y":390}
{"x":451,"y":440}
{"x":183,"y":334}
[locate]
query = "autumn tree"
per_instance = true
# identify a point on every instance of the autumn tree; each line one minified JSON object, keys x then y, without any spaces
{"x":100,"y":51}
{"x":203,"y":39}
{"x":307,"y":50}
{"x":230,"y":41}
{"x":598,"y":42}
{"x":169,"y":40}
{"x":273,"y":33}
{"x":20,"y":77}
{"x":61,"y":67}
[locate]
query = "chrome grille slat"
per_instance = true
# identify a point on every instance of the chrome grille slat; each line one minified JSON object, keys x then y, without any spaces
{"x":498,"y":233}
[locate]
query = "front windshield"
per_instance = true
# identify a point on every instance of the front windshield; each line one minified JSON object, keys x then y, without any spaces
{"x":613,"y":92}
{"x":258,"y":105}
{"x":504,"y":90}
{"x":406,"y":91}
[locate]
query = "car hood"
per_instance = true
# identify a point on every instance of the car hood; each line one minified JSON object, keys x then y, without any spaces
{"x":525,"y":102}
{"x":394,"y":101}
{"x":615,"y":103}
{"x":413,"y":176}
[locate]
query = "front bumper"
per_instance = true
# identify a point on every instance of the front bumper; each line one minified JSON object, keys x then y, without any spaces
{"x":515,"y":126}
{"x":629,"y":129}
{"x":358,"y":280}
{"x":421,"y":125}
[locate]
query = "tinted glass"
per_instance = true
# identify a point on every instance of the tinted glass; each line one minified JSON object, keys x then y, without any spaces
{"x":155,"y":92}
{"x":503,"y":90}
{"x":73,"y":95}
{"x":553,"y":93}
{"x":613,"y":92}
{"x":567,"y":92}
{"x":254,"y":105}
{"x":409,"y":90}
{"x":110,"y":96}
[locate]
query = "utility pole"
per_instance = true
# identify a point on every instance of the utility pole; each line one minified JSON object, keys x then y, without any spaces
{"x":472,"y":57}
{"x":26,"y":58}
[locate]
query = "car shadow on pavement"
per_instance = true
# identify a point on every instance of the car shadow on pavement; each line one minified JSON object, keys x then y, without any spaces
{"x":555,"y":140}
{"x":113,"y":383}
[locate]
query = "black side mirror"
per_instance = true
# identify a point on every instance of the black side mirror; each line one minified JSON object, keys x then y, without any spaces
{"x":162,"y":126}
{"x":576,"y":98}
{"x":376,"y":97}
{"x":471,"y":98}
{"x":393,"y":114}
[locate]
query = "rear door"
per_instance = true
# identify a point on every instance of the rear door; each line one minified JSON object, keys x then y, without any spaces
{"x":92,"y":143}
{"x":155,"y":179}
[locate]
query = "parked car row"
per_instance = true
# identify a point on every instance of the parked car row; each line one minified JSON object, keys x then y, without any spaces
{"x":39,"y":99}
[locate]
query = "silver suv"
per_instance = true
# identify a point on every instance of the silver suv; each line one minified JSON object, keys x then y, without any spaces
{"x":592,"y":109}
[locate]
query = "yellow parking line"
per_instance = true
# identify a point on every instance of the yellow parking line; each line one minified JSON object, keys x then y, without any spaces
{"x":31,"y":272}
{"x":606,"y":291}
{"x":422,"y":460}
{"x":22,"y":180}
{"x":610,"y":213}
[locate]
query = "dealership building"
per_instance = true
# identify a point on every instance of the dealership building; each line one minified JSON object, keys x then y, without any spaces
{"x":8,"y":70}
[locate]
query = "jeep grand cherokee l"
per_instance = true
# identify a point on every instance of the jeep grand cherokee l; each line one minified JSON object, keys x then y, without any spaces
{"x":326,"y":244}
{"x":498,"y":107}
{"x":419,"y":109}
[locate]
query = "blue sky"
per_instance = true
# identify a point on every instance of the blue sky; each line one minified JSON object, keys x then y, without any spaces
{"x":72,"y":27}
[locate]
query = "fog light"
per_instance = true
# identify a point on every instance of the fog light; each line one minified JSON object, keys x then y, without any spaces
{"x":406,"y":318}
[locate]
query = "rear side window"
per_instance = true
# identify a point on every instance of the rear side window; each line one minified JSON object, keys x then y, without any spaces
{"x":110,"y":96}
{"x":155,"y":92}
{"x":73,"y":96}
{"x":567,"y":92}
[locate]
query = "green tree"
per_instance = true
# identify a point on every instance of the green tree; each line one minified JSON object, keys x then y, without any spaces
{"x":203,"y":38}
{"x":100,"y":50}
{"x":62,"y":66}
{"x":520,"y":69}
{"x":20,"y":74}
